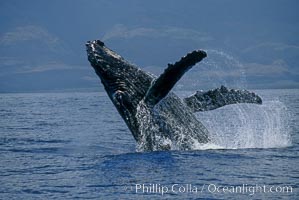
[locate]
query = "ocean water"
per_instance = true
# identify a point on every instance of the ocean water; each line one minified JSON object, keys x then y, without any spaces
{"x":76,"y":146}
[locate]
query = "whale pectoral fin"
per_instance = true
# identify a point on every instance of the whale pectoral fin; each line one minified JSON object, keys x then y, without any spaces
{"x":212,"y":99}
{"x":165,"y":82}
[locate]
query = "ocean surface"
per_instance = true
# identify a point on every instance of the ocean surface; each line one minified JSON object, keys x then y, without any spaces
{"x":76,"y":146}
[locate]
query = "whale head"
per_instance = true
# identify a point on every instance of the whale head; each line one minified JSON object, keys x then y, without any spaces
{"x":125,"y":84}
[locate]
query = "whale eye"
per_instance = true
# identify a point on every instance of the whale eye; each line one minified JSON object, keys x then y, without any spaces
{"x":118,"y":95}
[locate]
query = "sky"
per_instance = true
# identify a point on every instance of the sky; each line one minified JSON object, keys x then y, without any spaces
{"x":250,"y":44}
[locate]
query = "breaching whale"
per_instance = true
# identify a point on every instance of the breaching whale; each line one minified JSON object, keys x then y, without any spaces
{"x":157,"y":118}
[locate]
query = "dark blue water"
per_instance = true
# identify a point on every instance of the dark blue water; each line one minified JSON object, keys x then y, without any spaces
{"x":76,"y":146}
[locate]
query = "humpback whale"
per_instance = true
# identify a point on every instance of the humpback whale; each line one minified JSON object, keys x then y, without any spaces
{"x":158,"y":118}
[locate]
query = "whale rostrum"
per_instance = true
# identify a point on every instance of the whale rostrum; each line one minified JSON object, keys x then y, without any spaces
{"x":157,"y":118}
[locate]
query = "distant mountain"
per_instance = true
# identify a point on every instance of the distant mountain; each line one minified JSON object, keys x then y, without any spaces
{"x":253,"y":45}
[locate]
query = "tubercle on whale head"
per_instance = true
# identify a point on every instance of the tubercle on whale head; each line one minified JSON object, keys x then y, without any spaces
{"x":98,"y":42}
{"x":99,"y":53}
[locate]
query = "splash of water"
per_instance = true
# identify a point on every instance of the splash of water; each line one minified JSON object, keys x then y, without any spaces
{"x":219,"y":68}
{"x":231,"y":127}
{"x":243,"y":125}
{"x":248,"y":126}
{"x":228,"y":64}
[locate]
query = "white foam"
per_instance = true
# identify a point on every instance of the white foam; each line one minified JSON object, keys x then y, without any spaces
{"x":199,"y":146}
{"x":248,"y":125}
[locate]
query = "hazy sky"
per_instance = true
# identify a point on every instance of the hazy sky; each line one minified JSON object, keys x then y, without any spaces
{"x":252,"y":44}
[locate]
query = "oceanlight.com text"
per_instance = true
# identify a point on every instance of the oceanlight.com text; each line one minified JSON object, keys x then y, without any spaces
{"x":208,"y":188}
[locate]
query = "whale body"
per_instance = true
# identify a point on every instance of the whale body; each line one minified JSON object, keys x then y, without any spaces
{"x":158,"y":118}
